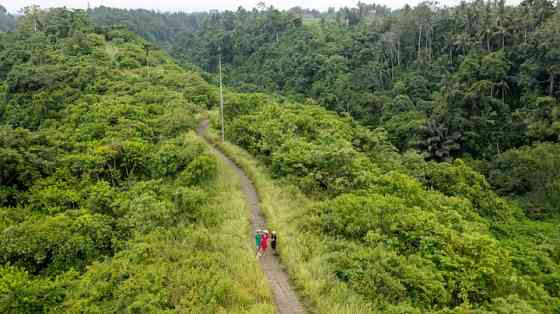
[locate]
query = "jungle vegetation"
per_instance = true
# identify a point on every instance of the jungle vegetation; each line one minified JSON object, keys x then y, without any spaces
{"x":404,"y":234}
{"x":470,"y":81}
{"x":424,"y":140}
{"x":109,"y":203}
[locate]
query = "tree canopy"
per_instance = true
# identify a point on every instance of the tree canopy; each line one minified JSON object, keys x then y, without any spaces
{"x":355,"y":58}
{"x":468,"y":81}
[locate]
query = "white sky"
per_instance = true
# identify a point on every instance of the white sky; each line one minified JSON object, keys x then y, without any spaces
{"x":203,"y":5}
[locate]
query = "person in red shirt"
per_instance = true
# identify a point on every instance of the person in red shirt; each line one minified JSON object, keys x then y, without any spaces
{"x":264,"y":242}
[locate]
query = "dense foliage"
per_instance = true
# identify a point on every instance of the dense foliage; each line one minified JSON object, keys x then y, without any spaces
{"x":530,"y":174}
{"x":106,"y":197}
{"x":474,"y":80}
{"x":466,"y":74}
{"x":410,"y":236}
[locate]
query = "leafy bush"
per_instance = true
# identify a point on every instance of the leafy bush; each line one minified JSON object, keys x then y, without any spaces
{"x":199,"y":171}
{"x":22,"y":293}
{"x":32,"y":78}
{"x":530,"y":173}
{"x":99,"y":198}
{"x":22,"y":158}
{"x":458,"y":179}
{"x":332,"y":168}
{"x":170,"y":158}
{"x":55,"y":244}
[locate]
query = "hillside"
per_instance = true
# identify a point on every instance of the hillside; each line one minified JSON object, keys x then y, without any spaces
{"x":471,"y":81}
{"x":408,"y":159}
{"x":109,"y":203}
{"x":392,"y":233}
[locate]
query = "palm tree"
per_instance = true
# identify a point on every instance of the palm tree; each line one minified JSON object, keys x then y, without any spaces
{"x":439,"y":141}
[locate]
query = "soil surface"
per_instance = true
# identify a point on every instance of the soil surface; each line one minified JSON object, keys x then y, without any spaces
{"x":284,"y":294}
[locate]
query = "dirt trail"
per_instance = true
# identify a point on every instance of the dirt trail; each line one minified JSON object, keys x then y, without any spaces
{"x":284,"y":295}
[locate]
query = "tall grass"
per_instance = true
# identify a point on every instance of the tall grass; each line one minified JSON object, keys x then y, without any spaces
{"x":304,"y":254}
{"x":233,"y":235}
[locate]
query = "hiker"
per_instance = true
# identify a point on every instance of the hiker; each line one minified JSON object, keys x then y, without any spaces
{"x":264,"y":242}
{"x":273,"y":241}
{"x":258,"y":238}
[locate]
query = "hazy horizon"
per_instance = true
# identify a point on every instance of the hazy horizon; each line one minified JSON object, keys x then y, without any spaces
{"x":196,"y":6}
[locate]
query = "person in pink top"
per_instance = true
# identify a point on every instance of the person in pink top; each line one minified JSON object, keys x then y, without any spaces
{"x":264,"y":242}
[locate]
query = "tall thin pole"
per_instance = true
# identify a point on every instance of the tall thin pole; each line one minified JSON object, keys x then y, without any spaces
{"x":221,"y":96}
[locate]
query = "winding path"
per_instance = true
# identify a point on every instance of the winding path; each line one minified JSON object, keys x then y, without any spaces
{"x":284,"y":295}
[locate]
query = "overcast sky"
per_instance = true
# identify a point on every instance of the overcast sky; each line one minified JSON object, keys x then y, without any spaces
{"x":201,"y":5}
{"x":204,"y":5}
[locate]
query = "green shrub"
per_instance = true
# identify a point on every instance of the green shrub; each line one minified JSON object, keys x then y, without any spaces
{"x":55,"y":244}
{"x":201,"y":170}
{"x":332,"y":168}
{"x":458,"y":179}
{"x":171,"y":157}
{"x":175,"y":120}
{"x":22,"y":293}
{"x":385,"y":277}
{"x":54,"y":195}
{"x":99,"y":198}
{"x":530,"y":173}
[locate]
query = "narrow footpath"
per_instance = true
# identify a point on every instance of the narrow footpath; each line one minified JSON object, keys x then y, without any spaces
{"x":284,"y":295}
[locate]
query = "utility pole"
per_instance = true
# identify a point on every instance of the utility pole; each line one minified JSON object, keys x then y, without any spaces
{"x":147,"y":48}
{"x":221,"y":95}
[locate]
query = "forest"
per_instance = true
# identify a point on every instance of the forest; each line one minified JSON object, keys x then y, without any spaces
{"x":479,"y":81}
{"x":424,"y":141}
